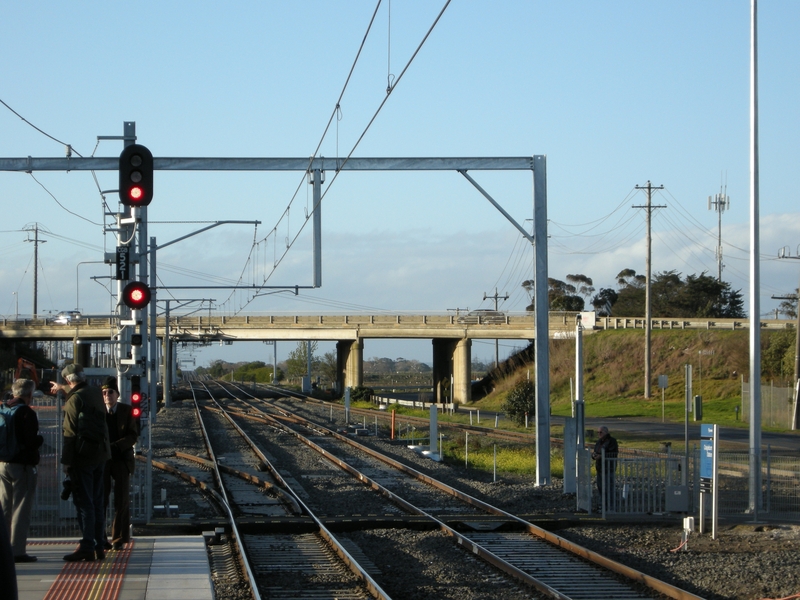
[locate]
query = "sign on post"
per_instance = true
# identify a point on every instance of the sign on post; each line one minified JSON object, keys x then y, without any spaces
{"x":709,"y":435}
{"x":123,"y":263}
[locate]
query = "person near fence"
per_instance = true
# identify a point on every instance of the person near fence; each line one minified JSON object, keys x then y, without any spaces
{"x":605,"y":472}
{"x":18,"y":475}
{"x":123,"y":431}
{"x":85,"y":451}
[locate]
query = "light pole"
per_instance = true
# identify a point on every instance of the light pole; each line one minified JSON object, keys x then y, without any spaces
{"x":16,"y":306}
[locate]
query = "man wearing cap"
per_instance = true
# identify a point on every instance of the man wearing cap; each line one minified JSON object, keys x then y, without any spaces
{"x":85,"y":451}
{"x":608,"y":446}
{"x":123,"y":430}
{"x":18,"y":476}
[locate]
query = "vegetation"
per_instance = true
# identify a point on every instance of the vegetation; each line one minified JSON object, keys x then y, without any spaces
{"x":361,"y":394}
{"x":614,"y":372}
{"x":696,"y":296}
{"x":671,"y":295}
{"x":520,"y":403}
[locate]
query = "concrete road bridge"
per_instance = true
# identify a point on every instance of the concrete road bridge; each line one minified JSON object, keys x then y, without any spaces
{"x":451,"y":334}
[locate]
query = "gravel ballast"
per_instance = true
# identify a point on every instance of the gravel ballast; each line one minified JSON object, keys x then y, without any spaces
{"x":747,"y":561}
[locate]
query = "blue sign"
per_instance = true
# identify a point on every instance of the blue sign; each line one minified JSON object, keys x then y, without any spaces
{"x":706,"y":431}
{"x":706,"y":459}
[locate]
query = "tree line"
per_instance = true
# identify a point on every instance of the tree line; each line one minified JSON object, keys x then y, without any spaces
{"x":671,"y":295}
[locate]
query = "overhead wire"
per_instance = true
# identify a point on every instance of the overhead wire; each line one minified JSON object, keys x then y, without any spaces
{"x":291,"y":241}
{"x":68,"y":146}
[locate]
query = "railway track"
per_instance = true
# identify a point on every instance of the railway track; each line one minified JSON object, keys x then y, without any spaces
{"x":275,"y":566}
{"x":548,"y":564}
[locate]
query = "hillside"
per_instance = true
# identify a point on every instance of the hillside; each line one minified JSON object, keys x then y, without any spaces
{"x":614,"y":371}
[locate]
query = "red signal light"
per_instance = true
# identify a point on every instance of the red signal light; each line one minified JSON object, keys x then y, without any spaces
{"x":136,"y":295}
{"x":136,"y":194}
{"x":136,"y":396}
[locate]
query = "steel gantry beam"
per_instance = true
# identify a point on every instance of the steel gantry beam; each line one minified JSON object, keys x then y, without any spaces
{"x":536,"y":164}
{"x":30,"y":164}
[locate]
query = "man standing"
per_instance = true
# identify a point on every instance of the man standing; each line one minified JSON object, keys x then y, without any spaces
{"x":85,"y":452}
{"x":123,"y":430}
{"x":605,"y":473}
{"x":18,"y":476}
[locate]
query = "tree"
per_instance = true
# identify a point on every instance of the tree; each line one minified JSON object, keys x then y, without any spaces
{"x":788,"y":307}
{"x":604,"y":301}
{"x":583,"y":284}
{"x":671,"y":296}
{"x":631,"y":296}
{"x":218,"y":368}
{"x":521,"y":401}
{"x":297,"y":363}
{"x":329,"y":368}
{"x":563,"y":296}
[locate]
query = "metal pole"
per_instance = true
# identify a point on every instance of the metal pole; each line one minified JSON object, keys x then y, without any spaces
{"x":152,"y":338}
{"x":167,"y":359}
{"x":541,"y":341}
{"x":317,"y":221}
{"x":755,"y":277}
{"x":648,"y":301}
{"x":687,"y":400}
{"x":579,"y":399}
{"x":36,"y":271}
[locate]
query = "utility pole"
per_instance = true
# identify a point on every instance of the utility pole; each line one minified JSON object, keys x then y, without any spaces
{"x":36,"y":241}
{"x":721,"y":203}
{"x":647,"y":313}
{"x":496,"y":297}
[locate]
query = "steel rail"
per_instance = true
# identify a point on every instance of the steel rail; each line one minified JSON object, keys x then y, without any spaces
{"x":372,"y":586}
{"x":226,"y":503}
{"x":573,"y":549}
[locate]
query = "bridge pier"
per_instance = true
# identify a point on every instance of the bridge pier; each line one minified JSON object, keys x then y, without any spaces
{"x":452,"y":362}
{"x":349,"y":364}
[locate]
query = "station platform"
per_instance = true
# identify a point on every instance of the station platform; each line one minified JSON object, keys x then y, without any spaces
{"x":148,"y":568}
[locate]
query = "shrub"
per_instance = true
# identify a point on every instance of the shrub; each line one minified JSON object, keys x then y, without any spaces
{"x":519,"y":401}
{"x":361,"y":393}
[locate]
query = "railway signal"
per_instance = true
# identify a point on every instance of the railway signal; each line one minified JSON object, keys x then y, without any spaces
{"x":135,"y":176}
{"x":136,"y":396}
{"x":136,"y":295}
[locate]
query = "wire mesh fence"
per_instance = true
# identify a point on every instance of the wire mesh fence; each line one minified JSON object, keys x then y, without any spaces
{"x":777,"y":405}
{"x":53,"y":515}
{"x":641,"y":482}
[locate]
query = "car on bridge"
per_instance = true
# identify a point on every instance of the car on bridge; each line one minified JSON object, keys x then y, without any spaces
{"x":482,"y":316}
{"x":65,"y":317}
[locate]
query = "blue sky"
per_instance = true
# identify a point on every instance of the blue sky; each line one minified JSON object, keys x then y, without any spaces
{"x":615,"y":94}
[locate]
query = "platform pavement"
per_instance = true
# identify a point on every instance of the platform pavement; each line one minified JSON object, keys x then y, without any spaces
{"x":152,"y":568}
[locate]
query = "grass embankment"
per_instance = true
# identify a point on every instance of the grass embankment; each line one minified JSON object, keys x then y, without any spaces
{"x":614,"y":387}
{"x":614,"y":374}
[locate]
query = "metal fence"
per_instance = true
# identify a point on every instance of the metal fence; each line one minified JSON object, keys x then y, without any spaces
{"x":780,"y":485}
{"x":641,"y":483}
{"x":53,"y":517}
{"x":777,"y":405}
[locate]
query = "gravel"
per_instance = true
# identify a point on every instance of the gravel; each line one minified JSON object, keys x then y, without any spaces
{"x":746,"y":561}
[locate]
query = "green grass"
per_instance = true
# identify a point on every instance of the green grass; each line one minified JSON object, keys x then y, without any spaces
{"x":614,"y":374}
{"x":485,"y":454}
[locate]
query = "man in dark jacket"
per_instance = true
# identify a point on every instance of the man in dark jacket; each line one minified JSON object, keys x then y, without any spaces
{"x":18,"y":476}
{"x":85,"y":452}
{"x":605,"y":472}
{"x":123,"y":431}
